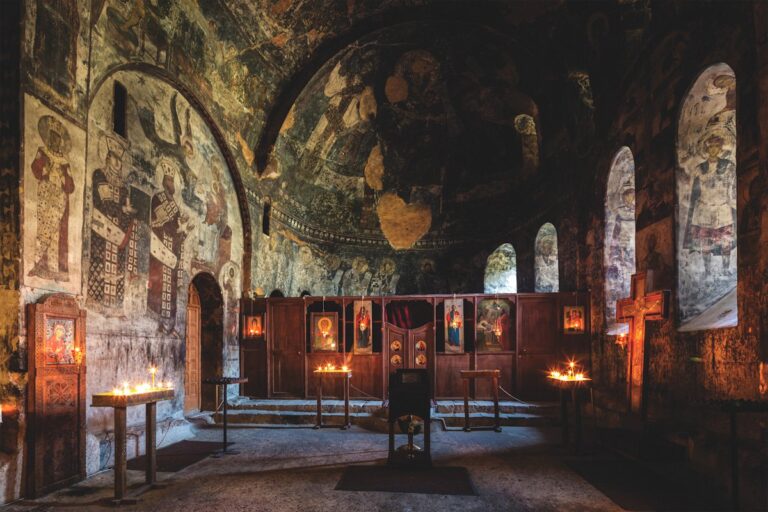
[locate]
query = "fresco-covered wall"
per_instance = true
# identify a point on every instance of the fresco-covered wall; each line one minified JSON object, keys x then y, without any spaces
{"x":619,"y":252}
{"x":501,"y":270}
{"x":686,"y":370}
{"x":706,"y":207}
{"x":547,"y":261}
{"x":160,"y":207}
{"x":124,"y":223}
{"x":287,"y":263}
{"x":413,"y":133}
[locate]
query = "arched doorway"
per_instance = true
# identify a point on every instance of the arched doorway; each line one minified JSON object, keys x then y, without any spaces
{"x":205,"y":342}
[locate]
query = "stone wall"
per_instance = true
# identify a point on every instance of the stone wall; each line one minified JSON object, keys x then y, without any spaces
{"x":685,"y":369}
{"x":12,"y":355}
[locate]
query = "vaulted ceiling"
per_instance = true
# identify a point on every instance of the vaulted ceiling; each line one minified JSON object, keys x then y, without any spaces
{"x":398,"y":119}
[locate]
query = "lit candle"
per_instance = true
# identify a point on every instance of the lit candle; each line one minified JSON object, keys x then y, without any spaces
{"x":153,"y":371}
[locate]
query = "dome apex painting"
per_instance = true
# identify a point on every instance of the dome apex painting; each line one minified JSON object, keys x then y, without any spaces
{"x":418,"y":121}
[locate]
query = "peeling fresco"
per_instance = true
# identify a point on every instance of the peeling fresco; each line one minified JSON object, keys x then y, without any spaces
{"x":56,"y":51}
{"x":160,"y":208}
{"x":619,"y":249}
{"x":411,"y":132}
{"x":547,"y":261}
{"x":161,"y":205}
{"x":706,"y":209}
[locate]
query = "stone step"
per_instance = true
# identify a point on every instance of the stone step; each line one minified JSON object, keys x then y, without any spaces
{"x":371,"y":406}
{"x":365,"y":419}
{"x":304,"y":405}
{"x":507,"y":407}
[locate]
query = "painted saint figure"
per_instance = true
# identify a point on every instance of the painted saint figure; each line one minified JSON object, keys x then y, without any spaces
{"x":363,"y":323}
{"x":55,"y":184}
{"x":454,"y":320}
{"x":111,"y":227}
{"x":58,"y":349}
{"x":624,"y":229}
{"x":167,"y":237}
{"x":711,"y":226}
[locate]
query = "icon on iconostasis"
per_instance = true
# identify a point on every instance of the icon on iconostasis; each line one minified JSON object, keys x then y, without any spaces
{"x":421,"y":346}
{"x":363,"y":324}
{"x":395,"y":346}
{"x":324,"y":332}
{"x":454,"y":325}
{"x":396,"y":360}
{"x":421,"y":360}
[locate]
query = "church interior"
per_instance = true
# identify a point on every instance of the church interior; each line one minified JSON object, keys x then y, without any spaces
{"x":384,"y":255}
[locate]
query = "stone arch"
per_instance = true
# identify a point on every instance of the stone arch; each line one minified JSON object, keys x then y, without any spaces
{"x":501,"y":270}
{"x":159,"y":206}
{"x":706,"y":202}
{"x":234,"y":172}
{"x":211,"y":335}
{"x":619,"y":250}
{"x":546,"y":264}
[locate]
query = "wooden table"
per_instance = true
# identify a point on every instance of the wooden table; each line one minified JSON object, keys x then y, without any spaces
{"x":334,"y":374}
{"x":120,"y":403}
{"x":467,"y":375}
{"x":224,"y":382}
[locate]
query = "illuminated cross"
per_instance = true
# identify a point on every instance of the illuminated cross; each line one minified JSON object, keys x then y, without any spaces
{"x":635,"y":311}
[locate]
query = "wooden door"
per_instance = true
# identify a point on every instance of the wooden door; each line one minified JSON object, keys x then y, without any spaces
{"x":413,"y":348}
{"x":421,"y":352}
{"x":537,"y":339}
{"x":56,"y":400}
{"x":286,"y":319}
{"x":396,"y":348}
{"x":192,"y":362}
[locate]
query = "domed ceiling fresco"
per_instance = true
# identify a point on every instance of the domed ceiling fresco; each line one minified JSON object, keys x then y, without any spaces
{"x":416,"y":132}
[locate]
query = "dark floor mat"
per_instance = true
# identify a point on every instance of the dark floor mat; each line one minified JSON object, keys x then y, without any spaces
{"x":177,"y":456}
{"x":633,"y":487}
{"x":437,"y":480}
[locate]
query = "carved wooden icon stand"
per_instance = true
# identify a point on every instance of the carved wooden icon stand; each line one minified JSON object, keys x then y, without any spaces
{"x":56,"y":397}
{"x":640,"y":307}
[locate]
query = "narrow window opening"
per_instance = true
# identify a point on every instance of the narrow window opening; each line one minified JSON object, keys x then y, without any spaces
{"x":265,"y":217}
{"x":119,"y":109}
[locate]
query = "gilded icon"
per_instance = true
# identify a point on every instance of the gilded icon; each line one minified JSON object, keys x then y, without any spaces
{"x":395,"y":346}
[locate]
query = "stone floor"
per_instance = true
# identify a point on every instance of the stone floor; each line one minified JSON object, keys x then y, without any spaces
{"x":286,"y":469}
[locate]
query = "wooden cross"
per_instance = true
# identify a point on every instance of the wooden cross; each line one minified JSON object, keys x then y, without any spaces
{"x":636,"y":310}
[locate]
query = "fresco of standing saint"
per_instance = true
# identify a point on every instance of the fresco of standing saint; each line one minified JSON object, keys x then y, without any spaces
{"x":706,"y":209}
{"x":54,"y":186}
{"x":112,"y":224}
{"x":454,"y":325}
{"x":169,"y":229}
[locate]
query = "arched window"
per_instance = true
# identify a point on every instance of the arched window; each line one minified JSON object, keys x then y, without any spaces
{"x":546,"y":265}
{"x":706,"y":207}
{"x":619,"y":250}
{"x":501,"y":270}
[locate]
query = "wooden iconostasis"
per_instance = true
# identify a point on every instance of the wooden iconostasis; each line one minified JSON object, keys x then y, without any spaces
{"x":283,"y":340}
